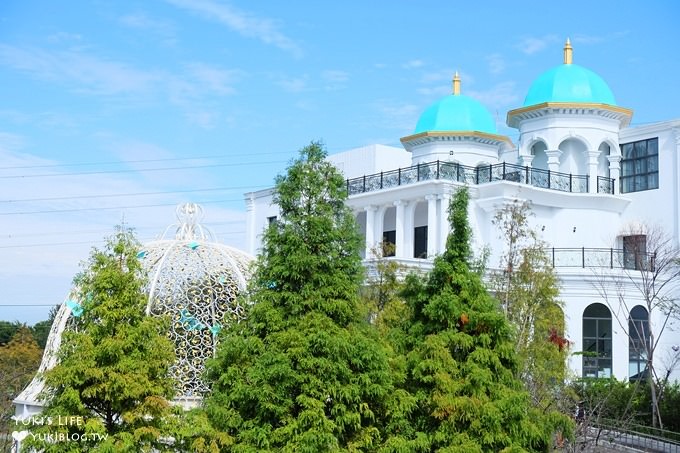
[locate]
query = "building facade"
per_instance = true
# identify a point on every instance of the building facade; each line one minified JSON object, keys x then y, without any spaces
{"x":600,"y":192}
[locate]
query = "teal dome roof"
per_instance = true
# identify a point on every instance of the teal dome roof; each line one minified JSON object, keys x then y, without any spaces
{"x":456,"y":112}
{"x":569,"y":83}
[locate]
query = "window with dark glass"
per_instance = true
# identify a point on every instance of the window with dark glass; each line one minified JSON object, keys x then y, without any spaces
{"x":635,"y":252}
{"x":638,"y":339}
{"x":597,"y":341}
{"x":420,"y":242}
{"x":389,"y":242}
{"x":640,"y":165}
{"x":271,"y":220}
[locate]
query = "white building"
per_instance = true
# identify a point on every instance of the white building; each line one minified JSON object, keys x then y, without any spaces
{"x":592,"y":181}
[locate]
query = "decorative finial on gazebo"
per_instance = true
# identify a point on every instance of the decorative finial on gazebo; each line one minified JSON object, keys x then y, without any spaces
{"x":456,"y":84}
{"x":568,"y":52}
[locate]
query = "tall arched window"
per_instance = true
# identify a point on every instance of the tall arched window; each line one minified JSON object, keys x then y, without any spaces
{"x":638,"y":338}
{"x":597,"y":341}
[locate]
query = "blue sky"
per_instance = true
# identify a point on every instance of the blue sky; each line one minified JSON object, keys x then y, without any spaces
{"x":116,"y":111}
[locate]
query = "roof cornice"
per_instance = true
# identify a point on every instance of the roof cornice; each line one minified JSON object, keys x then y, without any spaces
{"x":475,"y":136}
{"x":622,"y":114}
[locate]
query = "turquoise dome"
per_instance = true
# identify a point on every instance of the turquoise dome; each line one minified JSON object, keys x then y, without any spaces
{"x":456,"y":112}
{"x":569,"y":83}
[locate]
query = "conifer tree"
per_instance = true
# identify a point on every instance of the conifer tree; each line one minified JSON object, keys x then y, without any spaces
{"x":112,"y":372}
{"x":461,"y":361}
{"x":303,"y":372}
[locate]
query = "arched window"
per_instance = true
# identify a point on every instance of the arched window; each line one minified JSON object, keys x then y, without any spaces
{"x":638,"y":338}
{"x":597,"y":341}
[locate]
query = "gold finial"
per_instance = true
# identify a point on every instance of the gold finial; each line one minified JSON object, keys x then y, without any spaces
{"x":568,"y":52}
{"x":456,"y":84}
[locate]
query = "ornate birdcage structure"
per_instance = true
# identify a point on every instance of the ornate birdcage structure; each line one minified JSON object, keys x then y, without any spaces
{"x":194,"y":280}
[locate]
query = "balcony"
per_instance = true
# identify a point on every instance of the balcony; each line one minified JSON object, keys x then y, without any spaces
{"x":483,"y":174}
{"x":601,"y":257}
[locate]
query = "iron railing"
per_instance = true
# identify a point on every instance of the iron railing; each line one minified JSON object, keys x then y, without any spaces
{"x":482,"y":174}
{"x":601,"y":257}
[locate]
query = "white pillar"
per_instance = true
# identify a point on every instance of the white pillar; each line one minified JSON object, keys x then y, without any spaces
{"x":593,"y":157}
{"x":445,"y":227}
{"x":370,"y":231}
{"x":400,"y":245}
{"x":432,"y":237}
{"x":525,"y":160}
{"x":553,"y":159}
{"x":614,"y":171}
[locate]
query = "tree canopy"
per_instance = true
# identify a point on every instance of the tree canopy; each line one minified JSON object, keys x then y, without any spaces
{"x":303,"y":372}
{"x":112,"y":368}
{"x":461,"y":362}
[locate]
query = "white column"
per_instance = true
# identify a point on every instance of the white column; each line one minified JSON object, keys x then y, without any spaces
{"x":553,"y":159}
{"x":400,"y":227}
{"x":525,"y":160}
{"x":445,"y":227}
{"x":370,"y":230}
{"x":251,"y":230}
{"x":432,"y":237}
{"x":593,"y":156}
{"x":614,"y":171}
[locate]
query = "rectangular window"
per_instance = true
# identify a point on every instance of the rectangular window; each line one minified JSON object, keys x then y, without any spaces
{"x":271,"y":220}
{"x":420,"y":242}
{"x":389,"y":242}
{"x":635,"y":252}
{"x":640,"y":165}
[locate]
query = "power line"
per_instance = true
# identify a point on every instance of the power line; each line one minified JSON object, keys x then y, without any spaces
{"x":102,"y":232}
{"x":124,"y":162}
{"x":218,"y":189}
{"x":101,"y":172}
{"x":58,"y":244}
{"x":108,"y":208}
{"x":92,"y":242}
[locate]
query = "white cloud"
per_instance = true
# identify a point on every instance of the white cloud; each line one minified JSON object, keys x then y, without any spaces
{"x":496,"y":63}
{"x":501,"y":96}
{"x":244,"y":23}
{"x":217,"y":80}
{"x":335,"y":76}
{"x":413,"y":64}
{"x":394,"y":115}
{"x":87,"y":73}
{"x":585,"y":39}
{"x":294,"y":84}
{"x":530,"y":45}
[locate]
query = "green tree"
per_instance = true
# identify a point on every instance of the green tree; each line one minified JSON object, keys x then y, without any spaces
{"x":19,"y":361}
{"x":381,"y":292}
{"x":41,"y":329}
{"x":461,"y":362}
{"x":113,"y":363}
{"x":304,"y":372}
{"x":7,"y":331}
{"x":528,"y":289}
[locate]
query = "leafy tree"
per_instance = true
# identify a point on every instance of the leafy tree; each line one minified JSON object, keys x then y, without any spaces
{"x":7,"y":331}
{"x":41,"y":329}
{"x":651,"y":278}
{"x":461,"y":363}
{"x":528,"y":290}
{"x":19,"y":361}
{"x":381,"y":292}
{"x":304,"y":372}
{"x":113,"y":364}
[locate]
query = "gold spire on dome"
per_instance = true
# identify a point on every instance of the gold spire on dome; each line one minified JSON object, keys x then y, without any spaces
{"x":456,"y":84}
{"x":568,"y":52}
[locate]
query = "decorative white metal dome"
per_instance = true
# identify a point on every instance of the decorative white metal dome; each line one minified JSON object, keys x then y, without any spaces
{"x":196,"y":282}
{"x":192,"y":279}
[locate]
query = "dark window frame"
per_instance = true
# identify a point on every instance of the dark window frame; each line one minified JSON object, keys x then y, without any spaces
{"x":420,"y":242}
{"x":636,"y":158}
{"x":601,"y":356}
